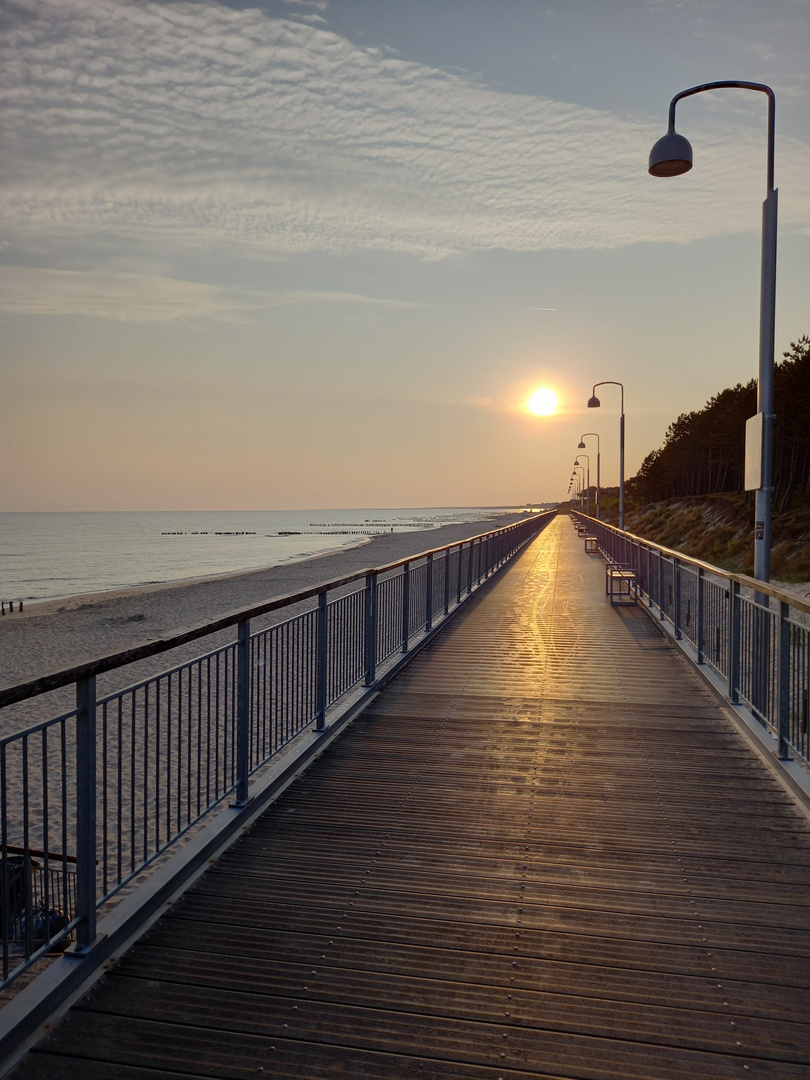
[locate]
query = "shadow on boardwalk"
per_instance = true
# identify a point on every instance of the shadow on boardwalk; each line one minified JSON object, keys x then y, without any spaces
{"x":542,"y":852}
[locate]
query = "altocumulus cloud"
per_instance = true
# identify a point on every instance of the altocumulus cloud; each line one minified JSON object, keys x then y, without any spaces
{"x":194,"y":124}
{"x":131,"y":297}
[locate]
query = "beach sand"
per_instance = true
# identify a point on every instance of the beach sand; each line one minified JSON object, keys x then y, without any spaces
{"x":52,"y":635}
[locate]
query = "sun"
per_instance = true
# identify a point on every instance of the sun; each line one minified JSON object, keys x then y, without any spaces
{"x":543,"y":402}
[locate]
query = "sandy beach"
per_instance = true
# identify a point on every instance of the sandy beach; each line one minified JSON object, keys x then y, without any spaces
{"x":55,"y":634}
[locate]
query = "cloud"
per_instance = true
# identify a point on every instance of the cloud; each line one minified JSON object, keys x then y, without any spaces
{"x":196,"y":125}
{"x":121,"y":296}
{"x":131,"y":297}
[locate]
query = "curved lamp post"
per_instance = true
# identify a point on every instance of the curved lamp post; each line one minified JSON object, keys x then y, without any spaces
{"x":581,"y":482}
{"x":587,"y":482}
{"x":581,"y":446}
{"x":672,"y":156}
{"x":594,"y":403}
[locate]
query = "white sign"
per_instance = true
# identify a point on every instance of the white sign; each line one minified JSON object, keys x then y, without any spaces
{"x":753,"y":452}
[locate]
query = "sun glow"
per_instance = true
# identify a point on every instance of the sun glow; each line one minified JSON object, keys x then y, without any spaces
{"x":543,"y":402}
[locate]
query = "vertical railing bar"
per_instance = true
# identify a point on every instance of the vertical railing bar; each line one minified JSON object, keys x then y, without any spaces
{"x":783,"y":682}
{"x":28,"y":944}
{"x":132,"y":784}
{"x":46,"y":837}
{"x":105,"y":872}
{"x":321,"y":653}
{"x":63,"y":761}
{"x":700,"y":615}
{"x":146,"y":772}
{"x":208,"y":731}
{"x":169,"y":742}
{"x":179,"y":747}
{"x":189,"y":722}
{"x":157,"y":764}
{"x":85,"y":813}
{"x":676,"y":588}
{"x":198,"y":769}
{"x":734,"y":642}
{"x":429,"y":592}
{"x":370,"y":628}
{"x":242,"y":712}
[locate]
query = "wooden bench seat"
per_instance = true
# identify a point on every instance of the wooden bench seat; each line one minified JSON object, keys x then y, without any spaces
{"x":620,"y":585}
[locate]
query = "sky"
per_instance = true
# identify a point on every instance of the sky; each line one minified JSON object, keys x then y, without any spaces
{"x":288,"y":254}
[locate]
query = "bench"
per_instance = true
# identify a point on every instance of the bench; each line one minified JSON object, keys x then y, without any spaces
{"x":591,"y":545}
{"x":620,"y":585}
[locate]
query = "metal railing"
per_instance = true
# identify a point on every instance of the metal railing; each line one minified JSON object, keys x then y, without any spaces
{"x":754,"y":636}
{"x":90,"y":798}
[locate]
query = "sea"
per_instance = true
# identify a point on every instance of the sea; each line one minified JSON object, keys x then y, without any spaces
{"x":48,"y":556}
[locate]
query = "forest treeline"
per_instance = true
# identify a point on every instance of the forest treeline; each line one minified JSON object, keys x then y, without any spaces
{"x":704,"y":451}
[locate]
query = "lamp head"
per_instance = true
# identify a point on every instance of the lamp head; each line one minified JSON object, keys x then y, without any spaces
{"x":576,"y":463}
{"x":594,"y":403}
{"x":671,"y":155}
{"x":581,"y":446}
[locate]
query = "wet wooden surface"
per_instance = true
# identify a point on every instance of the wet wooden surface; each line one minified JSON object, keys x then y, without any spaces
{"x":542,"y":852}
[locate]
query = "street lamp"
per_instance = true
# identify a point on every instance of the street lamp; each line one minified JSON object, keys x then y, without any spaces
{"x":581,"y":446}
{"x":672,"y":156}
{"x":588,"y":482}
{"x":580,"y":482}
{"x":573,"y":488}
{"x":594,"y":403}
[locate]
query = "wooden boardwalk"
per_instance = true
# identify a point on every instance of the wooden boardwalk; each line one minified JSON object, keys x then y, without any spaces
{"x":542,"y":852}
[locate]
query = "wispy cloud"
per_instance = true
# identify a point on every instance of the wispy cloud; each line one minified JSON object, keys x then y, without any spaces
{"x":132,"y":297}
{"x":199,"y":125}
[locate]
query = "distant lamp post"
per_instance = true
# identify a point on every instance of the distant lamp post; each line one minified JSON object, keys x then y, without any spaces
{"x":581,"y":446}
{"x":594,"y":403}
{"x":587,"y":482}
{"x":580,"y":482}
{"x":672,"y":156}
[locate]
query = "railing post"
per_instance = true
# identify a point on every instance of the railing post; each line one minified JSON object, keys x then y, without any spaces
{"x":660,"y":585}
{"x":371,"y":629}
{"x":321,"y":655}
{"x":676,"y":586}
{"x":447,"y":581}
{"x":242,"y":713}
{"x":85,"y":815}
{"x":406,"y":606}
{"x":783,"y":682}
{"x":733,"y":641}
{"x":700,"y":609}
{"x":470,"y":569}
{"x":429,"y":592}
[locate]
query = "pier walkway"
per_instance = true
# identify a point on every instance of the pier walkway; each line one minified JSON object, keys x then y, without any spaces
{"x":543,"y":851}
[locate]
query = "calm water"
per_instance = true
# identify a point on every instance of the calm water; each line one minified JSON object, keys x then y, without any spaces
{"x":46,"y":556}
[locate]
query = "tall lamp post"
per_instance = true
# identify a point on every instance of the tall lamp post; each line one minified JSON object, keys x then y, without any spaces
{"x":672,"y":156}
{"x":594,"y":403}
{"x":587,"y":482}
{"x":580,"y":482}
{"x":581,"y":446}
